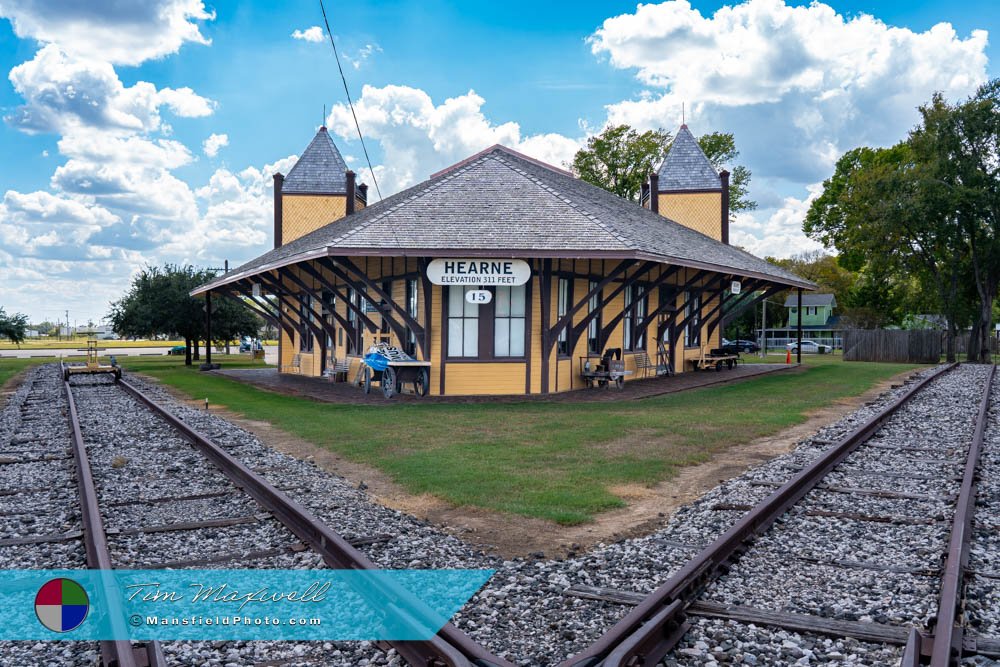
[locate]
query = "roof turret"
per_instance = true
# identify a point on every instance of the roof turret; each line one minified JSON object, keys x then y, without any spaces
{"x":320,"y":170}
{"x":686,"y":167}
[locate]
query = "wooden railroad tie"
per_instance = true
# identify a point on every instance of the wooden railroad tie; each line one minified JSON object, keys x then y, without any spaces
{"x":870,"y":631}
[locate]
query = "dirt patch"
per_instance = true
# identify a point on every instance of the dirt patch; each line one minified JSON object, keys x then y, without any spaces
{"x":8,"y":388}
{"x":509,"y":535}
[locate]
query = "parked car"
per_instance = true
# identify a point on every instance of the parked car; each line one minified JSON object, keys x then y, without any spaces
{"x":177,"y":349}
{"x":810,"y":347}
{"x":735,"y":346}
{"x":246,"y":343}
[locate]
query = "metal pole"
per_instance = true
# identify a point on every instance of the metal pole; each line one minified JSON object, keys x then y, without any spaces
{"x":798,"y":327}
{"x":763,"y":329}
{"x":208,"y":327}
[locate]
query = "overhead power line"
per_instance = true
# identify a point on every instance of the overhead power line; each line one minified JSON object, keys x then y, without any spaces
{"x":349,"y":102}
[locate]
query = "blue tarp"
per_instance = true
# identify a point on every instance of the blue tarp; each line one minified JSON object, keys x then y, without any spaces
{"x":376,"y":361}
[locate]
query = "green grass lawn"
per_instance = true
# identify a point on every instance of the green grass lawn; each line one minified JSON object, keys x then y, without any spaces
{"x":554,"y":461}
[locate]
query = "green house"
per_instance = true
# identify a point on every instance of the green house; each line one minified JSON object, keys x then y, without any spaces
{"x":817,"y":311}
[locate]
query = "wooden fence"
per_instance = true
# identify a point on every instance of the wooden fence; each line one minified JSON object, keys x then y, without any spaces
{"x":922,"y":346}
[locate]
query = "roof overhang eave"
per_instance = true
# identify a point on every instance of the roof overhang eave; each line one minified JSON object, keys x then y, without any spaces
{"x":235,"y":276}
{"x":498,"y":253}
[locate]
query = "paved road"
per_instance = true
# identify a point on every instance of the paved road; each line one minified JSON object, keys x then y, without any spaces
{"x":270,"y":352}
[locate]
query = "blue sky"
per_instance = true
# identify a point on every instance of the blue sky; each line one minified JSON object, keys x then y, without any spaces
{"x":107,"y":108}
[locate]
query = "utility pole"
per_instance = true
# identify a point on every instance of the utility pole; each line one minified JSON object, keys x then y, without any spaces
{"x":67,"y":325}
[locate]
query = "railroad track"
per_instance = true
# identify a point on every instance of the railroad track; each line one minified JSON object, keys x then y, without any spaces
{"x":919,"y":487}
{"x":902,"y":481}
{"x":222,"y":499}
{"x":39,"y":503}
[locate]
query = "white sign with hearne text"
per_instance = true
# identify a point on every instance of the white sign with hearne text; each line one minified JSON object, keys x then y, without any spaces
{"x":479,"y":272}
{"x":736,"y":287}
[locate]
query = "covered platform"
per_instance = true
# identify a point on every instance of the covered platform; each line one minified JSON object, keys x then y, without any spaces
{"x":320,"y":389}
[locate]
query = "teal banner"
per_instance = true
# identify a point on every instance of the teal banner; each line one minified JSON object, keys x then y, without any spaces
{"x":232,"y":604}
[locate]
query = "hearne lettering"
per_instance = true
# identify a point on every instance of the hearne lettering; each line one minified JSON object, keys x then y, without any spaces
{"x":479,"y":268}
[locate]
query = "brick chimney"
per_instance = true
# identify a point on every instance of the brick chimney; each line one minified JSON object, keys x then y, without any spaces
{"x":654,"y":192}
{"x":724,"y":176}
{"x":279,"y":180}
{"x":351,"y":191}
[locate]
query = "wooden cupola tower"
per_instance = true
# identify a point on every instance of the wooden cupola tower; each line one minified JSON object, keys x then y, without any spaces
{"x":687,"y":189}
{"x":318,"y":190}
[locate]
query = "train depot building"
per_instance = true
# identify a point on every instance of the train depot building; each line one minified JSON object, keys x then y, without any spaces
{"x":505,"y":275}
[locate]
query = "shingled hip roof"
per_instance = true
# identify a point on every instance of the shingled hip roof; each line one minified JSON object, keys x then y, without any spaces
{"x":686,"y":167}
{"x":502,"y":204}
{"x":320,"y":169}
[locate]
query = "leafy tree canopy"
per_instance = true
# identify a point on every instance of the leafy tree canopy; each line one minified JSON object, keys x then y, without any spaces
{"x":159,"y":303}
{"x":13,"y":326}
{"x":619,"y":159}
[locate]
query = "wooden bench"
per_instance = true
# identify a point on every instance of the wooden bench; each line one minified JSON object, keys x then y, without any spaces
{"x":338,"y":370}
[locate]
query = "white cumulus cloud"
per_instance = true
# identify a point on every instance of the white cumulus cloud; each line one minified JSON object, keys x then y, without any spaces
{"x":313,"y":34}
{"x":125,"y":33}
{"x":419,"y":137}
{"x":214,"y":144}
{"x":63,"y":93}
{"x":797,"y":85}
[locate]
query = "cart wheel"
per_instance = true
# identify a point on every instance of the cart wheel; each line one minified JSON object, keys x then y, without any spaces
{"x":389,"y":382}
{"x":619,"y":383}
{"x":366,"y":380}
{"x":602,"y":383}
{"x":730,"y":363}
{"x":118,"y":374}
{"x":718,"y":366}
{"x":422,"y":383}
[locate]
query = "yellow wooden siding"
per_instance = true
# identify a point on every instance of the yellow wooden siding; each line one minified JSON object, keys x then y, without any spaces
{"x":437,"y":353}
{"x":536,"y":335}
{"x":472,"y":379}
{"x":302,"y":214}
{"x":701,"y":211}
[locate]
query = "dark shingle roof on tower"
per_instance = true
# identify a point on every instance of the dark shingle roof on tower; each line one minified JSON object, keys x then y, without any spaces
{"x":502,"y":204}
{"x":320,"y":169}
{"x":686,"y":167}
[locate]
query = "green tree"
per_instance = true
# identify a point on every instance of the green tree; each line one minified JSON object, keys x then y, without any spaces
{"x":720,"y":149}
{"x":961,"y":146}
{"x":13,"y":326}
{"x":159,"y":303}
{"x":619,"y":159}
{"x":892,"y":221}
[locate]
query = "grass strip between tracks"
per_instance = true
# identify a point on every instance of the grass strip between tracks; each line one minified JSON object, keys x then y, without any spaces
{"x":556,"y":461}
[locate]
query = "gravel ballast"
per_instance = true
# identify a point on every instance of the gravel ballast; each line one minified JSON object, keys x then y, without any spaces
{"x":523,"y":613}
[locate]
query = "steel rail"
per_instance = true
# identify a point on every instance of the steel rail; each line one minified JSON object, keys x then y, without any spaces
{"x":655,"y":625}
{"x":450,"y":647}
{"x":946,"y":643}
{"x":117,"y":653}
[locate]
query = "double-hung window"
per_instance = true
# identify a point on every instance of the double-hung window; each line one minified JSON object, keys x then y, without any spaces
{"x":463,"y":324}
{"x":305,"y":316}
{"x":635,"y":313}
{"x":508,"y":321}
{"x":353,"y":343}
{"x":594,"y":327}
{"x":692,"y":333}
{"x":562,"y":307}
{"x":411,"y":310}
